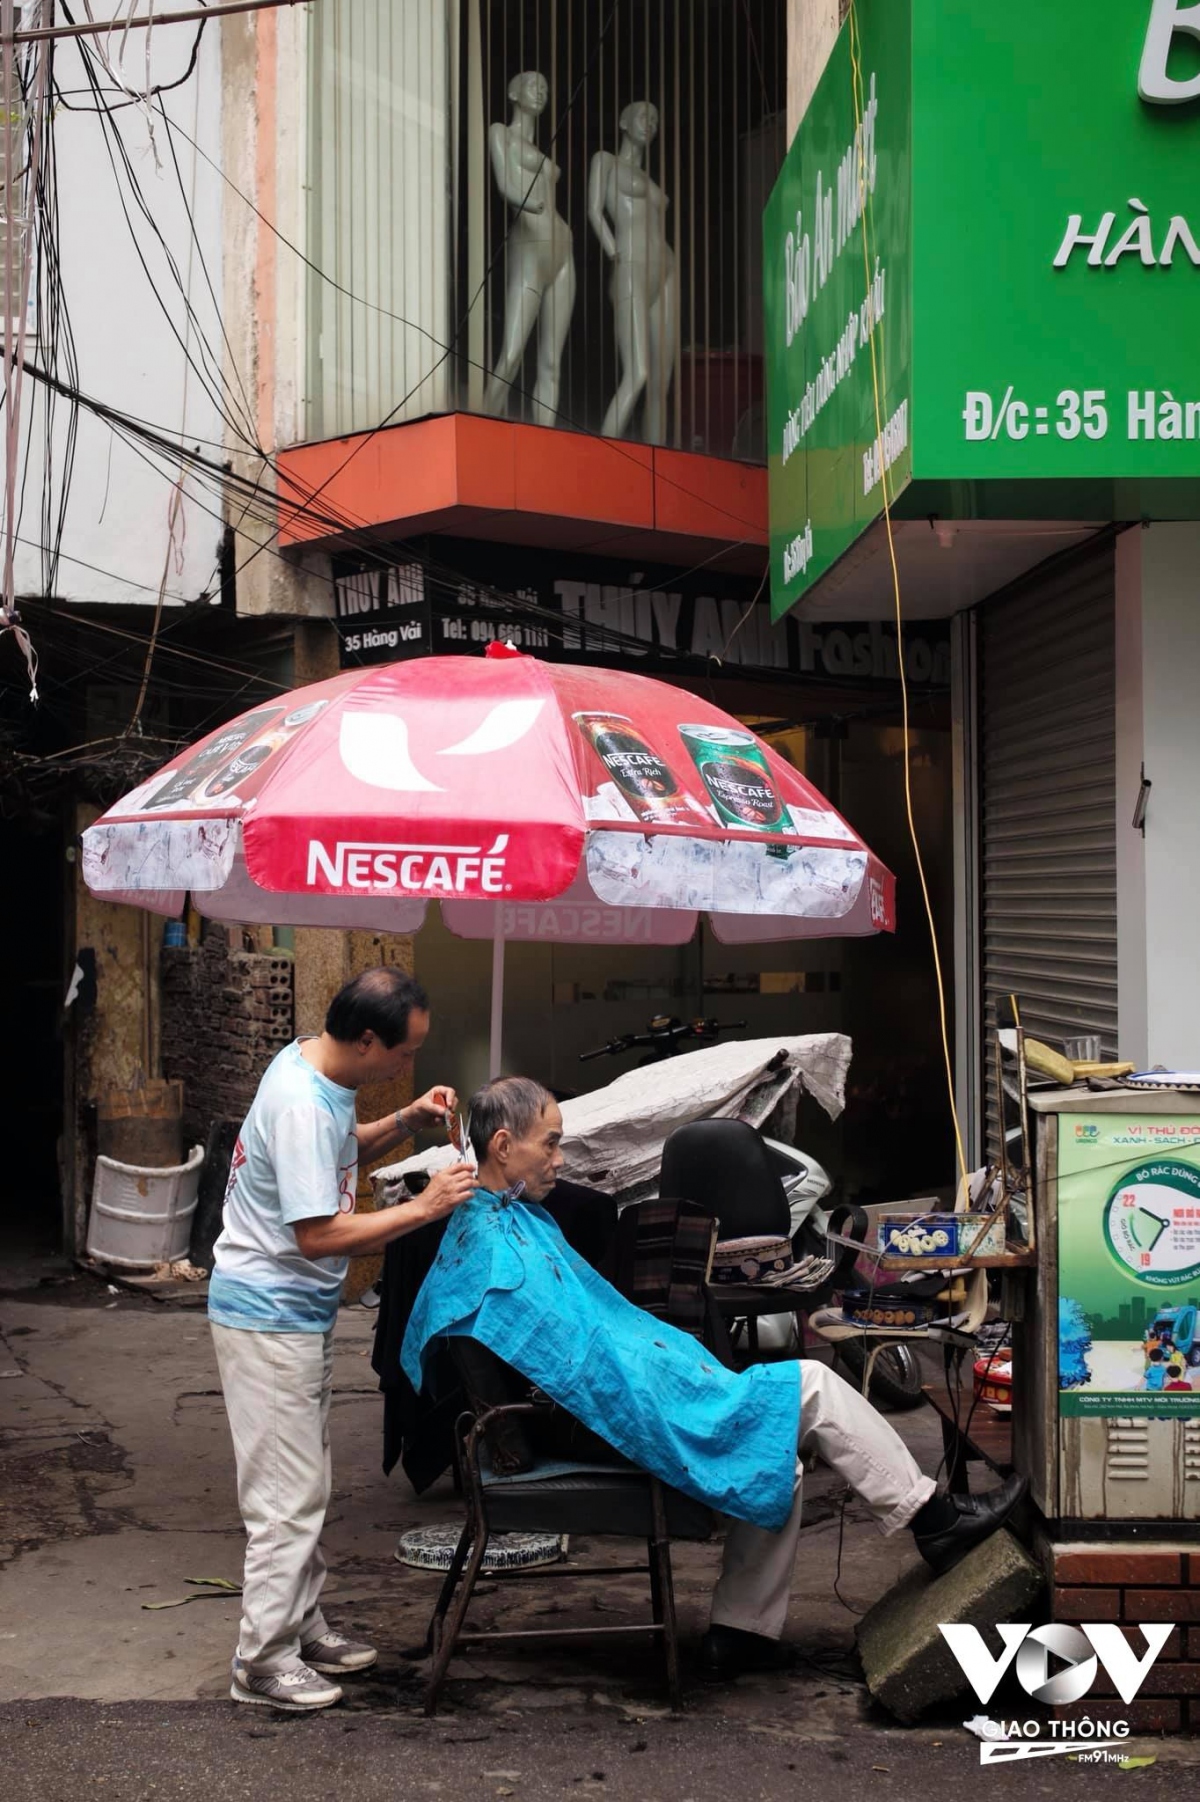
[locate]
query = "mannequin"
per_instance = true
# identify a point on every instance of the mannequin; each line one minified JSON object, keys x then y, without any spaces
{"x":539,"y":258}
{"x":644,"y":286}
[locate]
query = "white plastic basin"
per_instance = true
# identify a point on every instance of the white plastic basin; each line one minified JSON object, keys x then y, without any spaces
{"x":140,"y":1216}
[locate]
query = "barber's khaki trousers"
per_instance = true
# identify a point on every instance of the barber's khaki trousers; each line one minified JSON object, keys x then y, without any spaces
{"x":277,"y":1391}
{"x":844,"y":1430}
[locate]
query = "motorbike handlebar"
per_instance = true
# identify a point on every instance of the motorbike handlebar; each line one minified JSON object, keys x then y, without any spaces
{"x":668,"y":1036}
{"x":612,"y":1049}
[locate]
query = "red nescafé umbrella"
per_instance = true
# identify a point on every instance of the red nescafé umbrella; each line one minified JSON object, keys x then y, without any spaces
{"x":531,"y":800}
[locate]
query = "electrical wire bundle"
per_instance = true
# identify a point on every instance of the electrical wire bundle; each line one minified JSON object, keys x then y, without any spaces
{"x":199,"y":472}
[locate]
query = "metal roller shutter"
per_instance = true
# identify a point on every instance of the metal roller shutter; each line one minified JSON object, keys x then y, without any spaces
{"x":1047,"y":757}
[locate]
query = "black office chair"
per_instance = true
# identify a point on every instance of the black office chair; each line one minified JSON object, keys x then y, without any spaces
{"x":725,"y":1168}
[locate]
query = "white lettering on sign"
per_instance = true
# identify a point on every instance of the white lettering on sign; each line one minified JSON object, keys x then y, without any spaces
{"x":417,"y":869}
{"x":894,"y":439}
{"x":1155,"y":415}
{"x":648,"y":615}
{"x":1168,"y":19}
{"x":797,"y":554}
{"x":808,"y":259}
{"x":871,"y":652}
{"x":1136,"y":240}
{"x":357,"y":593}
{"x":738,"y":632}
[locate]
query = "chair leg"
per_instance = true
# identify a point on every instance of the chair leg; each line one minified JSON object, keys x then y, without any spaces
{"x":662,"y":1582}
{"x":656,"y":1591}
{"x":451,"y":1627}
{"x":449,"y":1585}
{"x":717,"y":1335}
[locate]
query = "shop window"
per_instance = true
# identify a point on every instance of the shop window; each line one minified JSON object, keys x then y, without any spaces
{"x":544,"y":209}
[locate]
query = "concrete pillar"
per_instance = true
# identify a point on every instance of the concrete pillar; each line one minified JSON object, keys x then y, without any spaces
{"x":265,"y":62}
{"x":1158,"y":725}
{"x":113,"y":1042}
{"x":812,"y":28}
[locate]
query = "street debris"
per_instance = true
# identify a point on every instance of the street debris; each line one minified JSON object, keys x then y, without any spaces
{"x":208,"y":1589}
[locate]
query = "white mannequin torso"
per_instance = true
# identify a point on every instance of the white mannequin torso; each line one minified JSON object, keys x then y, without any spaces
{"x":528,"y":179}
{"x":637,"y":207}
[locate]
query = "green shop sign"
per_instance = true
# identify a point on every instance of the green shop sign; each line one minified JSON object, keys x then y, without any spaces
{"x":1014,"y":333}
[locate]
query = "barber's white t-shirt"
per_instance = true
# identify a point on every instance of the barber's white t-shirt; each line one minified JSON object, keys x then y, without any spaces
{"x":296,"y":1158}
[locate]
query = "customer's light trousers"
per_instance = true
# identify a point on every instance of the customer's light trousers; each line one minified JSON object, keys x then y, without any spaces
{"x":277,"y":1391}
{"x":841,"y":1426}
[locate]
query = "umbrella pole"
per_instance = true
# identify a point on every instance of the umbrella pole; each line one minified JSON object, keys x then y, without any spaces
{"x":495,"y":1047}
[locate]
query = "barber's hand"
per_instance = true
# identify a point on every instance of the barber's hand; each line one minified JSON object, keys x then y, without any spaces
{"x":430,"y":1110}
{"x":448,"y":1190}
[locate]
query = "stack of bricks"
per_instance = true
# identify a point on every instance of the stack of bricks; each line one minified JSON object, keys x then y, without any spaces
{"x":224,"y":1016}
{"x":1130,"y":1584}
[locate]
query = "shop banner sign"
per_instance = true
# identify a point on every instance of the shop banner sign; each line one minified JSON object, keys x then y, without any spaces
{"x":1129,"y":1265}
{"x":1056,"y":240}
{"x":1031,"y":180}
{"x":837,"y":320}
{"x":569,"y":609}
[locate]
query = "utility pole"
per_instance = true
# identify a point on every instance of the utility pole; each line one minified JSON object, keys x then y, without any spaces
{"x":23,"y":79}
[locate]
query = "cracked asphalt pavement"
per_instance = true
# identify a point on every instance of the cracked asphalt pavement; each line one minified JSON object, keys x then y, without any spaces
{"x":116,"y":1486}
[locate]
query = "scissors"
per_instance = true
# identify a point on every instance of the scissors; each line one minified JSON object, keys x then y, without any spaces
{"x":458,"y":1133}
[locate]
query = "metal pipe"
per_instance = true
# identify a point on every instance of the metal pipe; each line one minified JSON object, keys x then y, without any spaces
{"x":496,"y":1044}
{"x":100,"y":27}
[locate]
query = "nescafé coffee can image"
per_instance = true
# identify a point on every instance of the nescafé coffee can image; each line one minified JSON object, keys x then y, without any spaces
{"x":734,"y":771}
{"x":646,"y":781}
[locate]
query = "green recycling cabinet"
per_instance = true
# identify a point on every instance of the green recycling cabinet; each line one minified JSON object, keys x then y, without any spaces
{"x":1106,"y":1418}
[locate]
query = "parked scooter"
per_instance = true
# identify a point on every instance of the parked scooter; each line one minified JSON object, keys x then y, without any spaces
{"x":896,"y":1378}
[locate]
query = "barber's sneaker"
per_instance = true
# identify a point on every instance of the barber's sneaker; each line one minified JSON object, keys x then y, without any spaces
{"x":334,"y":1654}
{"x":297,"y":1687}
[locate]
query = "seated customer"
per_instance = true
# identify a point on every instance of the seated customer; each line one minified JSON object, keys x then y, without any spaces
{"x":506,"y":1277}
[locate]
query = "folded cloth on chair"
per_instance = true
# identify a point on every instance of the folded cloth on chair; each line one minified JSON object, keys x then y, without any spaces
{"x":505,"y":1276}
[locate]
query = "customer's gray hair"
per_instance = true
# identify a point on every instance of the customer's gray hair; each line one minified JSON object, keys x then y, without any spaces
{"x":515,"y":1102}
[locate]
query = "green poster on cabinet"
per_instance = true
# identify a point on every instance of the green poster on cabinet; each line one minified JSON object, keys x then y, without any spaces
{"x":1129,"y":1264}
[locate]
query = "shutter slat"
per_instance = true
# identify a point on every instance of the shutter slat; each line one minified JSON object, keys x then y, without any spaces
{"x":1048,"y":809}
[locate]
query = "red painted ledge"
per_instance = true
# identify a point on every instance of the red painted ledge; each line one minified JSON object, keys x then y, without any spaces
{"x":467,"y":476}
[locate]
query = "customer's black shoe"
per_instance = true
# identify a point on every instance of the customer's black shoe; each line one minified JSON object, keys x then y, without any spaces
{"x":727,"y":1652}
{"x":976,"y":1518}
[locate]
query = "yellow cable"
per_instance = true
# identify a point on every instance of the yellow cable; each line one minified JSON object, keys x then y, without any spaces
{"x":877,"y":328}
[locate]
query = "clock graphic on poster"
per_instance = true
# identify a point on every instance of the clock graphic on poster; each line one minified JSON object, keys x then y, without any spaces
{"x":1152,"y":1223}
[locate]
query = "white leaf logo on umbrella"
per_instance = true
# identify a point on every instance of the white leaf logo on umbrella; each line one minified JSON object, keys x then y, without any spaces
{"x":505,"y":725}
{"x":374,"y":746}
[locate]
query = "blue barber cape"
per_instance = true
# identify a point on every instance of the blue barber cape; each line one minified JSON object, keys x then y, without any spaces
{"x":506,"y":1277}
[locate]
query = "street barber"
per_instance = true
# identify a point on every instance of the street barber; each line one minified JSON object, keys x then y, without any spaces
{"x":506,"y":1277}
{"x":289,"y":1231}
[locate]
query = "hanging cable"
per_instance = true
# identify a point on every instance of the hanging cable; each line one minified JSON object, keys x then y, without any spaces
{"x":874,"y":334}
